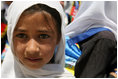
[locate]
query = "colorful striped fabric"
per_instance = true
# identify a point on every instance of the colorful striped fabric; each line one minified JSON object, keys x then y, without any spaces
{"x":74,"y":9}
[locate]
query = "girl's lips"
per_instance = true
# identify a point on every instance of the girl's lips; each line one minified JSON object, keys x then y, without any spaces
{"x":34,"y":59}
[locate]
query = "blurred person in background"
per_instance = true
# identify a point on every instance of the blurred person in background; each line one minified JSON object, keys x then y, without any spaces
{"x":92,"y":40}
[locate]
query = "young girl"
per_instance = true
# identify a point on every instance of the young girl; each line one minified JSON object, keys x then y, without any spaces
{"x":36,"y":37}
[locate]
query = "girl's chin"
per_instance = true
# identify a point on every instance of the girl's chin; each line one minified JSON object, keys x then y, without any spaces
{"x":33,"y":67}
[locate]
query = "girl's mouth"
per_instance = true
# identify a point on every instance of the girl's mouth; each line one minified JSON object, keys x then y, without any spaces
{"x":34,"y":59}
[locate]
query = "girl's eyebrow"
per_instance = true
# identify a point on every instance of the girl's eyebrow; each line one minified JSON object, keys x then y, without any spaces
{"x":20,"y":30}
{"x":45,"y":31}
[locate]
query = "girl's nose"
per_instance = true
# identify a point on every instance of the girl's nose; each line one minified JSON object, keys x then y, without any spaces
{"x":32,"y":48}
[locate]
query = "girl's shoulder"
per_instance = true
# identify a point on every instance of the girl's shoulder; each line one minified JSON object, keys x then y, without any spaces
{"x":105,"y":35}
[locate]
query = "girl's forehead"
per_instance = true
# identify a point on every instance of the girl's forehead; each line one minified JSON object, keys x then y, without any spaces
{"x":38,"y":20}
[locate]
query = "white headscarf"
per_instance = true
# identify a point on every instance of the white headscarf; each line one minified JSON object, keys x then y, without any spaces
{"x":94,"y":14}
{"x":16,"y":69}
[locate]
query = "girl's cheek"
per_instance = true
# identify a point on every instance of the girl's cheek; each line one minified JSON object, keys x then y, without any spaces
{"x":19,"y":49}
{"x":47,"y":48}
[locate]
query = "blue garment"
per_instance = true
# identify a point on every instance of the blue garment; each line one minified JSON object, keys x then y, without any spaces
{"x":72,"y":53}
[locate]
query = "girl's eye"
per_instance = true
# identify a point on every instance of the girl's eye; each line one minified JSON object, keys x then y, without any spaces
{"x":44,"y":36}
{"x":21,"y":35}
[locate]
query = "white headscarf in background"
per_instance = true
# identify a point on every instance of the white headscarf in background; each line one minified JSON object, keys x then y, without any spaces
{"x":94,"y":14}
{"x":11,"y":66}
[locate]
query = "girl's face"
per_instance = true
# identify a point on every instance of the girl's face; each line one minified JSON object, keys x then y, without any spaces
{"x":34,"y":40}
